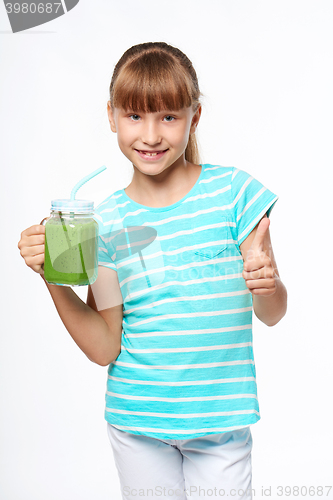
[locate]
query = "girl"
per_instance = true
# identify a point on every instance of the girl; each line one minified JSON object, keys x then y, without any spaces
{"x":184,"y":257}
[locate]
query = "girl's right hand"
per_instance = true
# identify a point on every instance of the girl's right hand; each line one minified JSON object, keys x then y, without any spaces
{"x":32,"y":247}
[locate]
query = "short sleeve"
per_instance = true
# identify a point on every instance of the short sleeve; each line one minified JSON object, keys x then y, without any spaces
{"x":104,"y":249}
{"x":251,"y":200}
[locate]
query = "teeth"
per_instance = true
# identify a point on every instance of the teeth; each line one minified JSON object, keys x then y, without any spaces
{"x":150,"y":154}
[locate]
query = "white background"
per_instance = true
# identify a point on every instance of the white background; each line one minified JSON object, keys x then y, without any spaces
{"x":265,"y":69}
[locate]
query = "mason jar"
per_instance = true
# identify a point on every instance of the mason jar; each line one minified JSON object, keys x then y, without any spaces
{"x":71,"y":243}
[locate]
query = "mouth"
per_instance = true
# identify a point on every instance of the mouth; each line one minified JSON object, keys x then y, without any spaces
{"x":151,"y":155}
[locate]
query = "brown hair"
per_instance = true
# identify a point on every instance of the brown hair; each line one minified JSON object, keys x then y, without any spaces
{"x":153,"y":76}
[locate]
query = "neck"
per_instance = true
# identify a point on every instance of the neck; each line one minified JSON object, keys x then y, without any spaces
{"x":164,"y":188}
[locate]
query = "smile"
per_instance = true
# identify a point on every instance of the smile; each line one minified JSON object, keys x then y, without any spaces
{"x":153,"y":155}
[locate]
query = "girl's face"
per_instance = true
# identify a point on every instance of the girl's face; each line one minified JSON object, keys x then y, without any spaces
{"x":153,"y":141}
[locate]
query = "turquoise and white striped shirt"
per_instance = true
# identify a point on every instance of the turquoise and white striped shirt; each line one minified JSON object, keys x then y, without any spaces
{"x":186,"y":367}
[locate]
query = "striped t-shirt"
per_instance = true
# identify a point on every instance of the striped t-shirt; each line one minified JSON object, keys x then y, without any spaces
{"x":186,"y":367}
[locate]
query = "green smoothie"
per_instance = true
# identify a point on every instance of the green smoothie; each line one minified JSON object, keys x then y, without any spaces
{"x":71,"y":251}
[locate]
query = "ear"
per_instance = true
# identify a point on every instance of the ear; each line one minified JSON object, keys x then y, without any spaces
{"x":111,"y":117}
{"x":195,"y":119}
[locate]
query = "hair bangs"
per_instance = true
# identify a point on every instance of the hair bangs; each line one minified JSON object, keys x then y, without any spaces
{"x":152,"y":83}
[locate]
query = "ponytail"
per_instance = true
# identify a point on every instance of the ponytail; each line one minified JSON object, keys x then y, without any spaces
{"x":192,"y":150}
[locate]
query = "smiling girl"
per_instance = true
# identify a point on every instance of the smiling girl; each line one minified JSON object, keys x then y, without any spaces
{"x":184,"y":258}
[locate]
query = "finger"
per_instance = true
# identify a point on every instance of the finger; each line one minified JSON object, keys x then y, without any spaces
{"x":30,"y":238}
{"x":253,"y":265}
{"x":36,"y":229}
{"x":35,"y":262}
{"x":257,"y":262}
{"x":258,"y":241}
{"x":268,"y":283}
{"x":264,"y":272}
{"x":30,"y":242}
{"x":263,"y":291}
{"x":35,"y":239}
{"x":31,"y":251}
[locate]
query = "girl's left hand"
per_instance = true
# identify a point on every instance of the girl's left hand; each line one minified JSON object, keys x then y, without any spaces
{"x":258,"y":271}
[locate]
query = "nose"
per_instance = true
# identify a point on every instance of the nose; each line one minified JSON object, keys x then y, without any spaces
{"x":151,"y":133}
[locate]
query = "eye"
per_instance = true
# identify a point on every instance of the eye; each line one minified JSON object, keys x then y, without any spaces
{"x":169,"y":118}
{"x":135,"y":117}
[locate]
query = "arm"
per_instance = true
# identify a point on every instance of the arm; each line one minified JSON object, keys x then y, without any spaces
{"x":95,"y":330}
{"x":262,"y":276}
{"x":96,"y":327}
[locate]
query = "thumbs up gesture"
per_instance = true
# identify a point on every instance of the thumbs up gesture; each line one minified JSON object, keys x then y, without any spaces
{"x":258,"y":271}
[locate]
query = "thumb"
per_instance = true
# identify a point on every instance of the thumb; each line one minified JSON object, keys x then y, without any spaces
{"x":258,"y":241}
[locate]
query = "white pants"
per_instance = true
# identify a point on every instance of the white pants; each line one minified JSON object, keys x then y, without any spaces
{"x":217,"y":466}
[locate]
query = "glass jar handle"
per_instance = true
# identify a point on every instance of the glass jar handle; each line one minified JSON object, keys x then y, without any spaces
{"x":43,"y":222}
